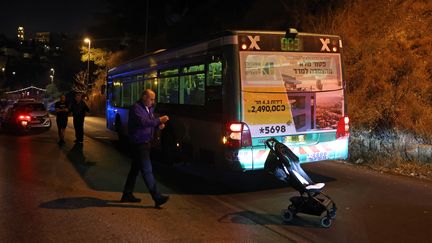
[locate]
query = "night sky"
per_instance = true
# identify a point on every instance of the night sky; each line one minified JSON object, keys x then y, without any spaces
{"x":72,"y":17}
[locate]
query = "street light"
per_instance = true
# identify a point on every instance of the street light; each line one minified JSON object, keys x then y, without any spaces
{"x":87,"y":40}
{"x":52,"y":75}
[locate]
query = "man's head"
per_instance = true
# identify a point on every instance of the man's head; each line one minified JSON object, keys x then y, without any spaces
{"x":78,"y":97}
{"x":62,"y":98}
{"x":148,"y":97}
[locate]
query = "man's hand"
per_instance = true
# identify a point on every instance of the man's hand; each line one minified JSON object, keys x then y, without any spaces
{"x":163,"y":119}
{"x":161,"y":126}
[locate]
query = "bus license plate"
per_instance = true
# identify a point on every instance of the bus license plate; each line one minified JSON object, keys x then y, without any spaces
{"x":317,"y":156}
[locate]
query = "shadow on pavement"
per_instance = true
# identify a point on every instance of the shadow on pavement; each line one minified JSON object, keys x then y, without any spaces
{"x":76,"y":156}
{"x":86,"y":202}
{"x":253,"y":218}
{"x":180,"y":178}
{"x":185,"y":180}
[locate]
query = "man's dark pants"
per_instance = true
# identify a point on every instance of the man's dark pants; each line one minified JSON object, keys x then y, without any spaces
{"x":141,"y":163}
{"x":78,"y":123}
{"x":61,"y":125}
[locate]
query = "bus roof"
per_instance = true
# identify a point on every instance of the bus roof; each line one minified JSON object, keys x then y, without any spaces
{"x":224,"y":37}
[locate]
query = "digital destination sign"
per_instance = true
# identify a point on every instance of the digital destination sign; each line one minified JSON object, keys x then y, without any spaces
{"x":278,"y":42}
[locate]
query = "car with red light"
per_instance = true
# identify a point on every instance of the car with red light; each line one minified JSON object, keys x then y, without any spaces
{"x":24,"y":116}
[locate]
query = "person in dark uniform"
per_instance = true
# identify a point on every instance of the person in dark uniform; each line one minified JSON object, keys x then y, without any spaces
{"x":141,"y":125}
{"x":62,"y":111}
{"x":79,"y":109}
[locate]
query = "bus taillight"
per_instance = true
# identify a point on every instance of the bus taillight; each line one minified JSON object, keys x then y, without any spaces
{"x":343,"y":127}
{"x":237,"y":135}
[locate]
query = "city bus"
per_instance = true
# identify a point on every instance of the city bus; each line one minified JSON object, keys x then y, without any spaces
{"x":226,"y":95}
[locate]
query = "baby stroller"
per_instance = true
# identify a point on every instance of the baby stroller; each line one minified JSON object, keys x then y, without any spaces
{"x":284,"y":165}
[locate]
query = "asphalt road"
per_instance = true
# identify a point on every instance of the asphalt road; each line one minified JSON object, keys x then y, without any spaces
{"x":71,"y":194}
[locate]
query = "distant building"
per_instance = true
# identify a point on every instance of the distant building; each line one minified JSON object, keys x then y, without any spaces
{"x":29,"y":92}
{"x":43,"y":37}
{"x":21,"y":33}
{"x":3,"y":61}
{"x":10,"y":52}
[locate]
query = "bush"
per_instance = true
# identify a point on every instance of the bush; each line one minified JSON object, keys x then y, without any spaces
{"x":388,"y":65}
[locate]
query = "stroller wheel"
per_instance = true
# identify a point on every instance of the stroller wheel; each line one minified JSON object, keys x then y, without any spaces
{"x":332,"y":213}
{"x":326,"y":222}
{"x":293,"y":209}
{"x":287,"y":215}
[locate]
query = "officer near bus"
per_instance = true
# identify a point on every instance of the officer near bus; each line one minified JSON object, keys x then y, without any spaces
{"x":141,"y":127}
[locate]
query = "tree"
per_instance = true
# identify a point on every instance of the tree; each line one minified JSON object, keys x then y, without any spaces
{"x":51,"y":91}
{"x":101,"y":59}
{"x":79,"y":83}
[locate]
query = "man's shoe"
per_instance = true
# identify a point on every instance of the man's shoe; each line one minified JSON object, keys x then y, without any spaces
{"x":129,"y":198}
{"x":161,"y":200}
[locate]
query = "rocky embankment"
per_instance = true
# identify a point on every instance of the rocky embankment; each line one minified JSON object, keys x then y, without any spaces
{"x":394,"y":152}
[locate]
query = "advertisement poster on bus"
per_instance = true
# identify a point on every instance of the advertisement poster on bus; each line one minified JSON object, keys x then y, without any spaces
{"x":286,"y":93}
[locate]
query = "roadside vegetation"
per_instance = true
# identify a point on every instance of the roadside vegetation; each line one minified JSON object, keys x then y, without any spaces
{"x":388,"y":67}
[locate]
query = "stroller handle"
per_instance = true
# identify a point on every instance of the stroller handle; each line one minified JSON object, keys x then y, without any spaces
{"x":271,"y":142}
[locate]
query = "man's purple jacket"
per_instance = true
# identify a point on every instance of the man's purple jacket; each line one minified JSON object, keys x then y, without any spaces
{"x":141,"y":123}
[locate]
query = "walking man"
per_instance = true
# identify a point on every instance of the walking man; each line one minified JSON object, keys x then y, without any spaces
{"x":62,"y":111}
{"x":141,"y":125}
{"x":79,"y":109}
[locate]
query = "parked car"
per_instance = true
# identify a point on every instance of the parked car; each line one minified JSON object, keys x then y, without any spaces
{"x":26,"y":115}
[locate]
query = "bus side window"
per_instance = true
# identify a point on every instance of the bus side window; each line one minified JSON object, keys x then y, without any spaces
{"x":148,"y":84}
{"x":213,"y":93}
{"x":192,"y":89}
{"x":135,"y":90}
{"x":169,"y":90}
{"x":109,"y":93}
{"x":126,"y":95}
{"x":214,"y":74}
{"x":116,"y":95}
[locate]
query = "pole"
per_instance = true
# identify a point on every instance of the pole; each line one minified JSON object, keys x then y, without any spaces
{"x":146,"y":29}
{"x":88,"y":64}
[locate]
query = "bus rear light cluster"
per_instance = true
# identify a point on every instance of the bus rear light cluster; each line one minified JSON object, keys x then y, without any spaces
{"x":237,"y":135}
{"x":343,"y":127}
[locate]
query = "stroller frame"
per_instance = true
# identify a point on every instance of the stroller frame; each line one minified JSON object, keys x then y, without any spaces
{"x":284,"y":164}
